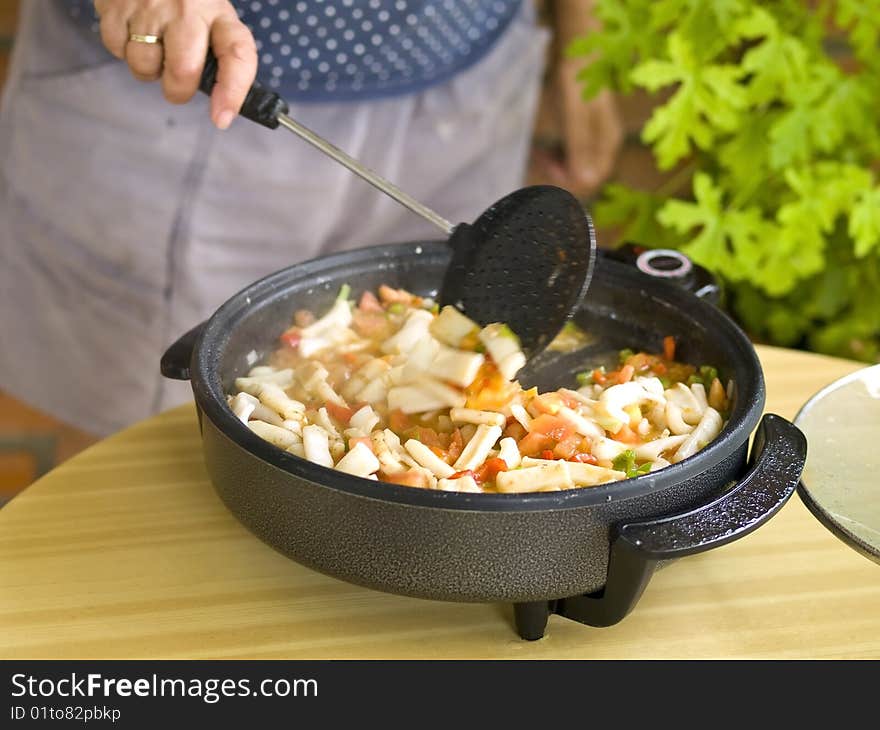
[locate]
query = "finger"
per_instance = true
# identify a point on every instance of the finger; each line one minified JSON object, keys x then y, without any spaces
{"x":186,"y":46}
{"x":236,"y":54}
{"x":145,"y":59}
{"x":114,"y":25}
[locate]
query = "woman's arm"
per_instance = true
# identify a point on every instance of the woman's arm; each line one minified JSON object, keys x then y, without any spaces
{"x":591,"y":131}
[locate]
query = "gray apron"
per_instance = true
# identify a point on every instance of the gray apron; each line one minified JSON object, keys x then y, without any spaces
{"x":124,"y":220}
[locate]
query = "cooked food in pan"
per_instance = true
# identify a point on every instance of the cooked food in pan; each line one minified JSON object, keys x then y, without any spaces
{"x":394,"y":389}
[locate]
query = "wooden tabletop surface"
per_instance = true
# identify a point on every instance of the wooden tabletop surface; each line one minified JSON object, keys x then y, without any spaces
{"x":125,"y":551}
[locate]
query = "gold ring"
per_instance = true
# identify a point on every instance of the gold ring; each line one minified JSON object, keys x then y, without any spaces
{"x":138,"y":38}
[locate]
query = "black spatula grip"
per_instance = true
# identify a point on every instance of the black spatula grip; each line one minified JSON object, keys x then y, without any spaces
{"x":260,"y":105}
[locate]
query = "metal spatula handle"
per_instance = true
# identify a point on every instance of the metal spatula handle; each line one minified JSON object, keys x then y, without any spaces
{"x":269,"y":109}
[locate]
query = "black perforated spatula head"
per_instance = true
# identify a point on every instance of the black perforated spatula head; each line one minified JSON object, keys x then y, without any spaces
{"x":526,"y":261}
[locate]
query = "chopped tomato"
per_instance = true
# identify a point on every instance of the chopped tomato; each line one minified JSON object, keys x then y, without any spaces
{"x":460,"y":474}
{"x":534,"y":443}
{"x":548,"y":454}
{"x":669,"y":347}
{"x":411,"y":478}
{"x":625,"y":374}
{"x":369,"y":303}
{"x":627,"y":436}
{"x":291,"y":337}
{"x":399,"y":422}
{"x":365,"y":440}
{"x":389,"y":295}
{"x":549,"y":403}
{"x":489,"y":469}
{"x":514,"y":429}
{"x":370,"y":324}
{"x":429,"y":437}
{"x":568,"y":446}
{"x":456,"y":446}
{"x":584,"y":458}
{"x":340,"y":413}
{"x":552,"y":426}
{"x":599,"y":377}
{"x":568,"y":400}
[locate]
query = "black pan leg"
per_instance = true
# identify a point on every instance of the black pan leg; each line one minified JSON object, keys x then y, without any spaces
{"x":531,"y":619}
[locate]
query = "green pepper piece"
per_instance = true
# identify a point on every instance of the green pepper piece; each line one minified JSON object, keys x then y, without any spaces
{"x":625,"y":461}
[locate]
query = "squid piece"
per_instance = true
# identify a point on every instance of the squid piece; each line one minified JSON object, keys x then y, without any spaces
{"x":611,"y":412}
{"x":252,"y":385}
{"x":428,"y":459}
{"x":509,"y":451}
{"x":471,"y":415}
{"x":359,"y":461}
{"x":503,"y":347}
{"x":683,"y":397}
{"x":551,"y":475}
{"x":707,"y":429}
{"x":243,"y":405}
{"x":316,"y":443}
{"x":390,"y":464}
{"x":477,"y":449}
{"x":580,"y":424}
{"x":414,"y":329}
{"x":368,"y":373}
{"x":675,"y":420}
{"x":272,"y":396}
{"x":275,"y":435}
{"x":651,"y":450}
{"x":451,"y":326}
{"x":462,"y":484}
{"x":364,"y":419}
{"x":338,"y":317}
{"x":456,"y":366}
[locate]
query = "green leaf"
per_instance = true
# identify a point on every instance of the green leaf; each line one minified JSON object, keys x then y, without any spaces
{"x":862,"y":19}
{"x":745,"y":154}
{"x":776,"y":65}
{"x":708,"y":100}
{"x":864,"y":222}
{"x":710,"y":24}
{"x":635,"y":212}
{"x":619,"y":45}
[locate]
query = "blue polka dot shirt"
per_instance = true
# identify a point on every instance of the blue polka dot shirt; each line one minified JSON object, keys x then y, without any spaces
{"x":351,"y":50}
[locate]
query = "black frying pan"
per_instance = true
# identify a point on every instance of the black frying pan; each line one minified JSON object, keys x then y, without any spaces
{"x":584,"y":553}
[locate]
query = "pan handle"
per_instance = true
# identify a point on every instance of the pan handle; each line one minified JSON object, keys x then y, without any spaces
{"x":176,"y":361}
{"x":779,"y":452}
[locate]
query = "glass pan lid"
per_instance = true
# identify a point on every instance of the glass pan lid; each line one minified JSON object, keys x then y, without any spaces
{"x":841,"y":480}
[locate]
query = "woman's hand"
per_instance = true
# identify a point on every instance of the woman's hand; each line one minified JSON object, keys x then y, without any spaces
{"x":186,"y":30}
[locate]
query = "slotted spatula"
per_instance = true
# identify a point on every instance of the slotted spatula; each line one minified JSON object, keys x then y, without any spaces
{"x":527,"y":260}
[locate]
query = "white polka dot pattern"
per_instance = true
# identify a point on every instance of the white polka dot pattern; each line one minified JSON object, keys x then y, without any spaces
{"x":334,"y":50}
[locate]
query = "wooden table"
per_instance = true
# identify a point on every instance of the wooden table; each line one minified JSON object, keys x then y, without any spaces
{"x":126,"y":552}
